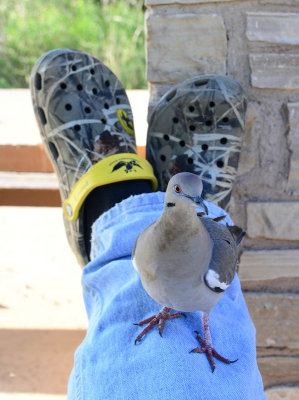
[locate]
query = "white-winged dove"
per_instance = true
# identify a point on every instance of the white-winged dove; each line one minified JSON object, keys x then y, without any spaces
{"x":185,"y":262}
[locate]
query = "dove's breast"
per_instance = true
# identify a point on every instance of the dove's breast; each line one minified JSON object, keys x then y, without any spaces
{"x":173,"y":266}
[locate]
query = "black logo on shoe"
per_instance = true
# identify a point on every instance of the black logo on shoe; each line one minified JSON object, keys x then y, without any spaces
{"x":125,"y":121}
{"x":129,"y":165}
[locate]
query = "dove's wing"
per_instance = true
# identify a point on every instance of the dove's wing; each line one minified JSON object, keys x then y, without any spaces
{"x":223,"y":264}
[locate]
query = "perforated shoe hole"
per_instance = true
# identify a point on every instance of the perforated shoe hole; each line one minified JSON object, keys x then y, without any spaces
{"x":171,"y":95}
{"x":201,"y":82}
{"x":77,"y":128}
{"x":190,"y":160}
{"x":74,"y":67}
{"x":92,"y":71}
{"x":95,"y":91}
{"x":204,"y":147}
{"x":42,"y":115}
{"x":166,"y":137}
{"x":191,"y":108}
{"x":220,"y":164}
{"x":192,"y":128}
{"x":87,"y":110}
{"x":225,"y":120}
{"x":38,"y":81}
{"x":162,"y":157}
{"x":104,"y":121}
{"x":106,"y":105}
{"x":63,"y":85}
{"x":175,"y":120}
{"x":212,"y":104}
{"x":209,"y":122}
{"x":68,"y":107}
{"x":223,"y":140}
{"x":79,"y":87}
{"x":182,"y":143}
{"x":53,"y":150}
{"x":117,"y":100}
{"x":107,"y":83}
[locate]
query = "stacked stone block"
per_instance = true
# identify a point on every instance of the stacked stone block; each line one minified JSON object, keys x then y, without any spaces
{"x":256,"y":43}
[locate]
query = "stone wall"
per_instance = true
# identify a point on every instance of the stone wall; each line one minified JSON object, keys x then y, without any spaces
{"x":256,"y":43}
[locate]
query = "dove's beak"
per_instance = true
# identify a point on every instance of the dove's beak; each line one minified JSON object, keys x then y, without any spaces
{"x":199,"y":201}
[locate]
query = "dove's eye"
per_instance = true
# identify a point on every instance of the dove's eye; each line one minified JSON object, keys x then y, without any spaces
{"x":177,"y":188}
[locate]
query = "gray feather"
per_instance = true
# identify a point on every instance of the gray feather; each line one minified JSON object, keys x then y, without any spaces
{"x":224,"y":253}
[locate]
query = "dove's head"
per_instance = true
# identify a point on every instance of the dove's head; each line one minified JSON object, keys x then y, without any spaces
{"x":185,"y":189}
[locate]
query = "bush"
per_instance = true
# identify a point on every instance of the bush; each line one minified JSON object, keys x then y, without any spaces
{"x":112,"y":31}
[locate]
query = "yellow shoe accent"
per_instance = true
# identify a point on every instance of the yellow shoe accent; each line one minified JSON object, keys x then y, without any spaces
{"x":125,"y":121}
{"x":116,"y":168}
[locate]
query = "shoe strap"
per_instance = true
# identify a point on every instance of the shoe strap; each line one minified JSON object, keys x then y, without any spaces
{"x":115,"y":168}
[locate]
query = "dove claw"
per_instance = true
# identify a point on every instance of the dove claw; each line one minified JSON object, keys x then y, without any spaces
{"x":159,"y":319}
{"x":207,"y":348}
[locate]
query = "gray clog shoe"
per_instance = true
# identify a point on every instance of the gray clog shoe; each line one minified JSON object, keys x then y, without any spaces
{"x":86,"y":125}
{"x":197,"y":126}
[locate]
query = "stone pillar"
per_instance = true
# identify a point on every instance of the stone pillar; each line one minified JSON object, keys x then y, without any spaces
{"x":256,"y":43}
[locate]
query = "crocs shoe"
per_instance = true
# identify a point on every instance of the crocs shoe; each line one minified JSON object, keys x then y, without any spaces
{"x":86,"y":124}
{"x":197,"y":126}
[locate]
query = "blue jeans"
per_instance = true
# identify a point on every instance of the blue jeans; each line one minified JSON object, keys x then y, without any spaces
{"x":108,"y":366}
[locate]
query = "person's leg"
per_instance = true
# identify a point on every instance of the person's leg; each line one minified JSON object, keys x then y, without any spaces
{"x":107,"y":364}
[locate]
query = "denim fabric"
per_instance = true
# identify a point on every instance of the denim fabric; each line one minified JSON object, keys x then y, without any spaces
{"x":108,"y":366}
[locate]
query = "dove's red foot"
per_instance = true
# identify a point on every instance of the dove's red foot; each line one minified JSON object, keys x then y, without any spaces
{"x":210,"y":351}
{"x":159,"y":318}
{"x":207,"y":347}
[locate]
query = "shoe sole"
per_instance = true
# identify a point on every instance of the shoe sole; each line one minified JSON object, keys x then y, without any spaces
{"x":84,"y":115}
{"x":198,"y":127}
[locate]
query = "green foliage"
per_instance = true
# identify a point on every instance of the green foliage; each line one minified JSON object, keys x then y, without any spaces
{"x":112,"y":31}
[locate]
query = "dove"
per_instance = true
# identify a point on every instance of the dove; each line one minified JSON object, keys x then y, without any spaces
{"x":186,"y":261}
